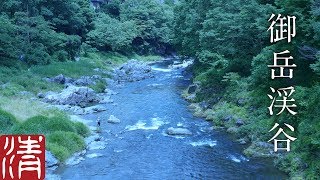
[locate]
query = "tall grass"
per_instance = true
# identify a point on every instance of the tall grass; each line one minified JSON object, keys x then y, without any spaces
{"x":63,"y":144}
{"x":7,"y":120}
{"x":64,"y":137}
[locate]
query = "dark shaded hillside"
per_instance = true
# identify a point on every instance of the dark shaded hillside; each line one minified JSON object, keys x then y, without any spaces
{"x":40,"y":32}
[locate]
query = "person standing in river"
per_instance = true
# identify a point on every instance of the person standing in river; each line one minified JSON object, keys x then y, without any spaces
{"x":98,"y":124}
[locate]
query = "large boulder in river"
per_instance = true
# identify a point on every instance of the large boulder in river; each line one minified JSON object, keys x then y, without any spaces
{"x":72,"y":95}
{"x":94,"y":109}
{"x":133,"y":71}
{"x":178,"y":131}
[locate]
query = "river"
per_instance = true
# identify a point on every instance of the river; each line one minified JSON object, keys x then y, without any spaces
{"x":138,"y":147}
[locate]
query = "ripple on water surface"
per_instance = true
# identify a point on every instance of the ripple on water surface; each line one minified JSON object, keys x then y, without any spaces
{"x":156,"y":123}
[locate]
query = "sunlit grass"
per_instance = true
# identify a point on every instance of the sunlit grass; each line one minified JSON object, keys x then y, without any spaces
{"x":24,"y":108}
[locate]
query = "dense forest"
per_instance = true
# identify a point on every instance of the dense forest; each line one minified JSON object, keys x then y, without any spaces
{"x":37,"y":32}
{"x":228,"y":40}
{"x":231,"y":44}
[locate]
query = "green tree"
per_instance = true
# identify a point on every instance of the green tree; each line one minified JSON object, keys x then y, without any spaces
{"x":111,"y":34}
{"x":153,"y":21}
{"x":8,"y":42}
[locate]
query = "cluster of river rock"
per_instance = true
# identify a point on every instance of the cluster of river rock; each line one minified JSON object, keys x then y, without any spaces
{"x":78,"y":98}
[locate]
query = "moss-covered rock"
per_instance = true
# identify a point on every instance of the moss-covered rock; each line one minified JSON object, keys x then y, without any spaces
{"x":260,"y":149}
{"x":197,"y":110}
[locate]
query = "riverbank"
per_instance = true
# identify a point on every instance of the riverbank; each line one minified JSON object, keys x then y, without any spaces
{"x":40,"y":99}
{"x":232,"y":112}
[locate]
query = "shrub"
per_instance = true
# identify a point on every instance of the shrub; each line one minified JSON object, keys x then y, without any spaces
{"x":7,"y":120}
{"x":58,"y":151}
{"x":82,"y":129}
{"x":64,"y":137}
{"x":99,"y":87}
{"x":63,"y":144}
{"x":58,"y":123}
{"x":224,"y":110}
{"x":34,"y":125}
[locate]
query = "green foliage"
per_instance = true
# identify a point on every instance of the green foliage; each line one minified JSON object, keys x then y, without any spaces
{"x":135,"y":26}
{"x":38,"y":32}
{"x":223,"y":110}
{"x":316,"y":66}
{"x":36,"y":125}
{"x":60,"y":152}
{"x":151,"y":17}
{"x":47,"y":125}
{"x":82,"y":129}
{"x":112,"y":8}
{"x":7,"y":120}
{"x":7,"y":49}
{"x":99,"y":86}
{"x":226,"y":30}
{"x":63,"y":137}
{"x":69,"y":68}
{"x":110,"y":32}
{"x":230,"y":42}
{"x":64,"y":144}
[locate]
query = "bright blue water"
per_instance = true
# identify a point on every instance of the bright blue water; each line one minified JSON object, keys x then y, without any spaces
{"x":138,"y":147}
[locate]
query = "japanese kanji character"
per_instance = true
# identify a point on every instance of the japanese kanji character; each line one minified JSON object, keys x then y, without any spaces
{"x":288,"y":140}
{"x":284,"y":103}
{"x":277,"y":58}
{"x":282,"y":28}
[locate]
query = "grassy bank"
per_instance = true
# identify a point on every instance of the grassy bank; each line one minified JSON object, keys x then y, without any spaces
{"x":22,"y":78}
{"x":64,"y":137}
{"x":22,"y":113}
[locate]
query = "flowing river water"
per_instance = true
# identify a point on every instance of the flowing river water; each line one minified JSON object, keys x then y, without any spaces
{"x":138,"y":147}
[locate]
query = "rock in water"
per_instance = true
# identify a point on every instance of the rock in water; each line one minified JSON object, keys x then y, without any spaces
{"x":112,"y":119}
{"x":94,"y":109}
{"x":178,"y":131}
{"x":110,"y":92}
{"x":74,"y":161}
{"x":133,"y":71}
{"x":96,"y":145}
{"x":104,"y":99}
{"x":192,"y":88}
{"x":50,"y":159}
